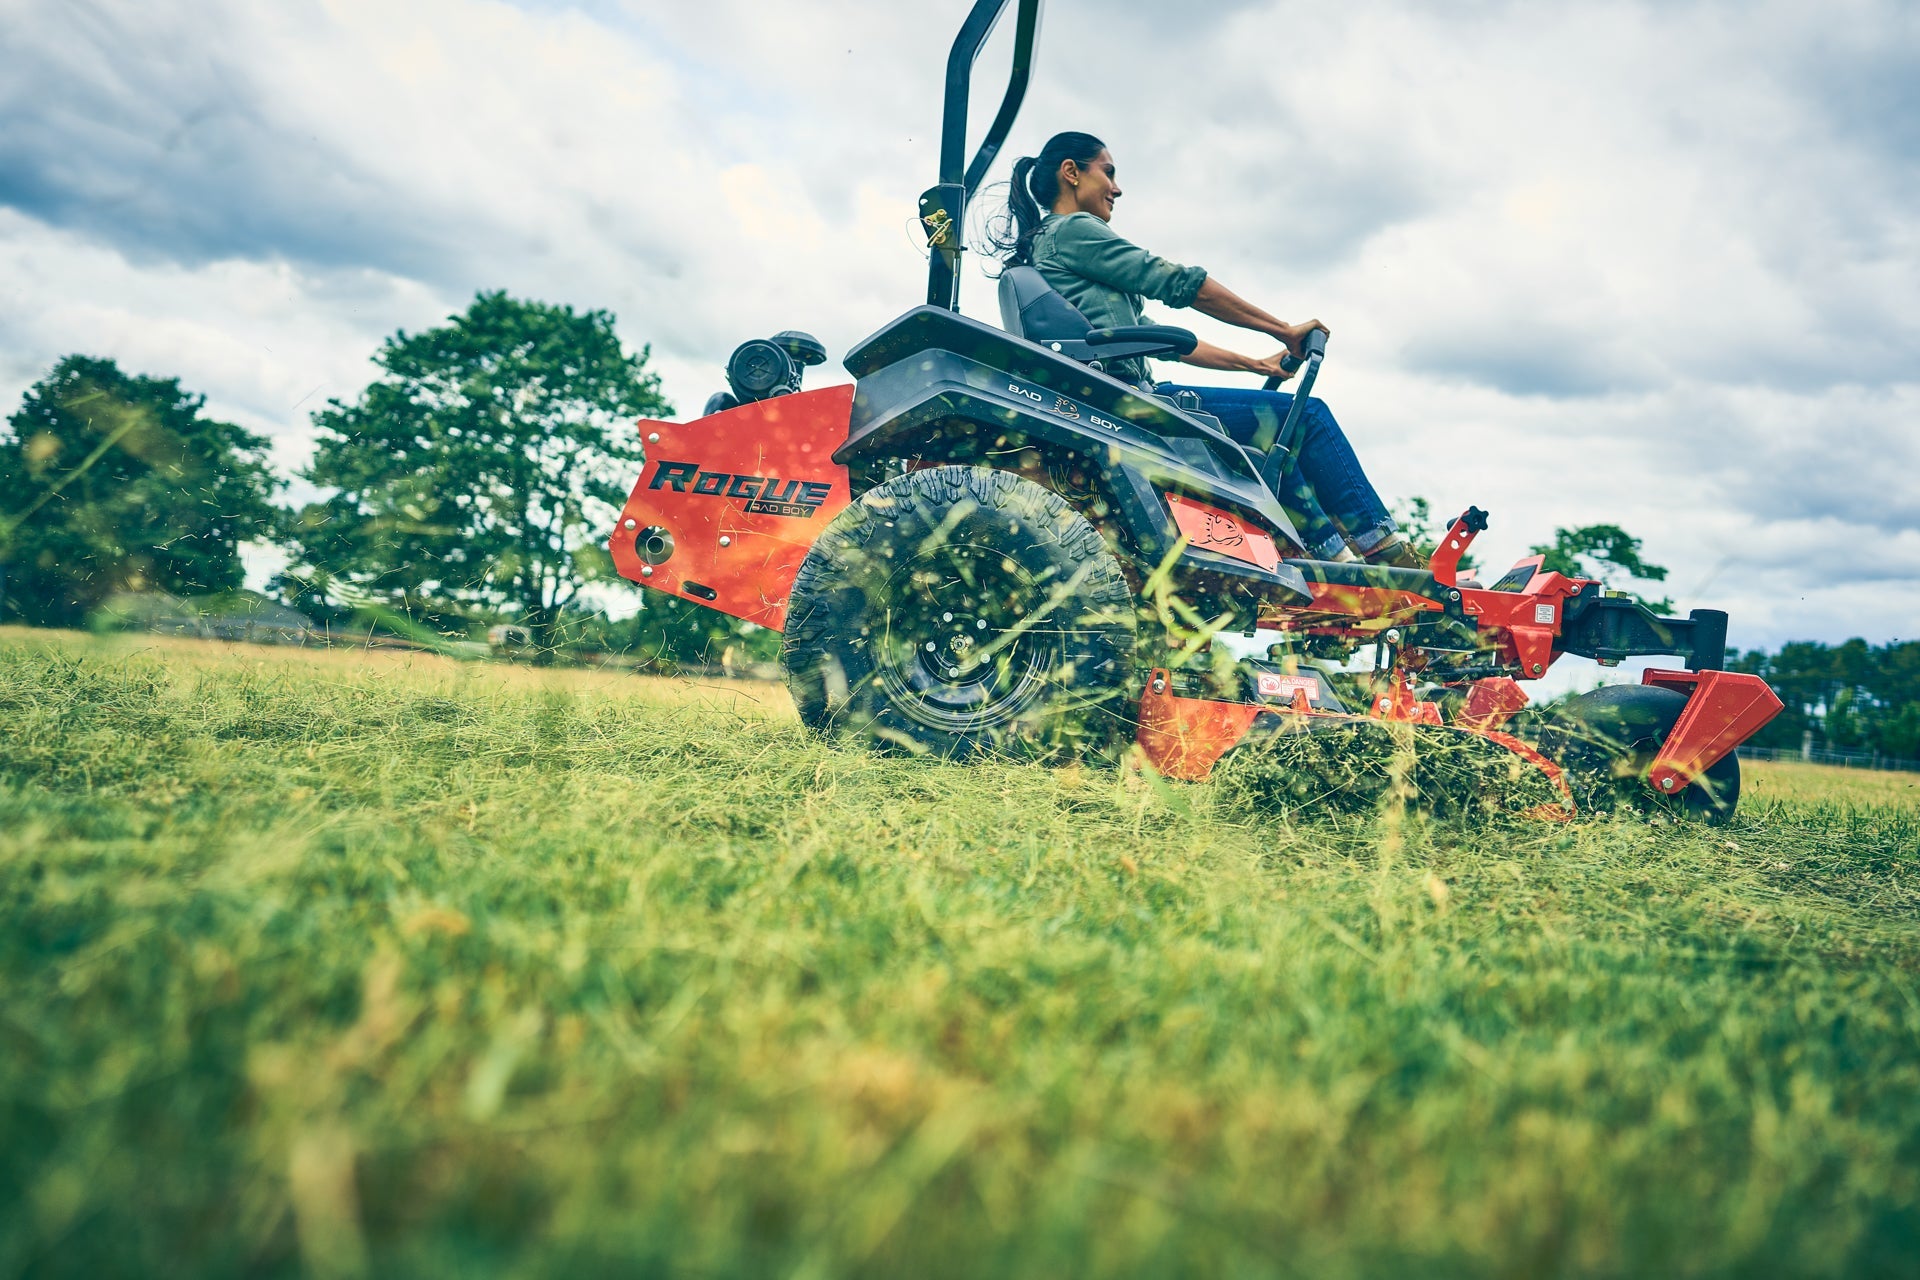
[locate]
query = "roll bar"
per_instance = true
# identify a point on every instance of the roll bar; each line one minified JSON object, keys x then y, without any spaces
{"x":943,"y":209}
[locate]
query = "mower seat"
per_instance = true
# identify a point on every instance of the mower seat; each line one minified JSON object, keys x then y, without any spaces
{"x":1032,"y":309}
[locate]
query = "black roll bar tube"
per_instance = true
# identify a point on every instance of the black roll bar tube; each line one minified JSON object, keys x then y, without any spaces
{"x":943,"y":209}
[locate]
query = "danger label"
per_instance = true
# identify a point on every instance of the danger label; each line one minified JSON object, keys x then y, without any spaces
{"x":1272,"y":685}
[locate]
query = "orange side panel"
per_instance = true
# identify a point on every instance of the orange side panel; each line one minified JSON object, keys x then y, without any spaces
{"x":1724,"y":709}
{"x":1185,"y":737}
{"x":727,"y":507}
{"x":1211,"y":529}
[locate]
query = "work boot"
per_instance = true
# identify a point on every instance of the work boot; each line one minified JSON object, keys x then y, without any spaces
{"x":1396,"y":552}
{"x":1384,"y":544}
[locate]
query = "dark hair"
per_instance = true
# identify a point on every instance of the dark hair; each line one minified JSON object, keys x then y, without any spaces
{"x":1031,"y":193}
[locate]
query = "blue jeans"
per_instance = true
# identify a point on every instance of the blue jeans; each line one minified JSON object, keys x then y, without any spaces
{"x":1323,"y":487}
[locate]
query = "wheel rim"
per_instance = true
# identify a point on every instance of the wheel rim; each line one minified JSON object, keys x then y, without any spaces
{"x":953,"y":653}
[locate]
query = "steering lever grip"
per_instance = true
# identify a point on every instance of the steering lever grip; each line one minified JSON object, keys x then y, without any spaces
{"x":1289,"y":362}
{"x":1314,"y":344}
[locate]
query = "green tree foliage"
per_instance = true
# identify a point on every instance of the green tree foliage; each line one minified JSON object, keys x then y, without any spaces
{"x":110,"y":482}
{"x":1852,"y":696}
{"x":481,"y":471}
{"x":1606,"y":552}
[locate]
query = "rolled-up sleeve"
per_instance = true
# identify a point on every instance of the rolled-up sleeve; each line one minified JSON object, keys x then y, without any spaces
{"x":1089,"y":247}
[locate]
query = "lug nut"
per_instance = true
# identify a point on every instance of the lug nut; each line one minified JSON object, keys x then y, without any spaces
{"x":629,"y":523}
{"x":981,"y":625}
{"x":725,"y":541}
{"x":1666,"y":784}
{"x":946,"y":617}
{"x":929,"y":646}
{"x":646,"y":571}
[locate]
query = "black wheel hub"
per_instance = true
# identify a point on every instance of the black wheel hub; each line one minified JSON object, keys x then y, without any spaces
{"x":965,"y":647}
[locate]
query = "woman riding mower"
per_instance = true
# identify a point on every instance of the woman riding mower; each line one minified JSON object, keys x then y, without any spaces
{"x":1078,"y":253}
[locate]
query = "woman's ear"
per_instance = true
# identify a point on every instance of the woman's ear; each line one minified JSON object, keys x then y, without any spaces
{"x":1069,"y":173}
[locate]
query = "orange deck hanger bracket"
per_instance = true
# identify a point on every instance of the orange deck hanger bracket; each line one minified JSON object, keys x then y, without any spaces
{"x":1402,"y":706}
{"x":1491,"y":702}
{"x":727,"y":507}
{"x":1525,"y":623}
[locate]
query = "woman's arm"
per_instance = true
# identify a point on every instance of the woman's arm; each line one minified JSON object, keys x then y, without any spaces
{"x":1222,"y":303}
{"x":1207,"y":356}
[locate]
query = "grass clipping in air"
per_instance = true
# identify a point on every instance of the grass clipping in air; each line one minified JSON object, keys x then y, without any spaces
{"x":384,"y":965}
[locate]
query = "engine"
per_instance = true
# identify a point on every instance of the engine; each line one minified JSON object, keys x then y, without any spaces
{"x":763,"y":368}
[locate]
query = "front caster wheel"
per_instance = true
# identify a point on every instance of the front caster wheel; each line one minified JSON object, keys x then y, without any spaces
{"x":1606,"y":740}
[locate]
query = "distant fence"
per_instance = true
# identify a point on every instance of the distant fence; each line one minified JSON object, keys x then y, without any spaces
{"x":1844,"y":759}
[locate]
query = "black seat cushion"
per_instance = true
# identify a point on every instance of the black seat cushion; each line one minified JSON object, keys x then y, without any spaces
{"x":1031,"y":308}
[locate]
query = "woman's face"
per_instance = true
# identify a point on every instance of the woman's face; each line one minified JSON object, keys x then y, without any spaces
{"x":1092,"y":186}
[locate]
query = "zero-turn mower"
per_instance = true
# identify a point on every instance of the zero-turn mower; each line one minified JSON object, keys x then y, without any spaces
{"x":987,"y":545}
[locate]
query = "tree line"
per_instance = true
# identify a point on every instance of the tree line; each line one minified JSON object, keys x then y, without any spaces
{"x":1848,"y":697}
{"x":473,"y":481}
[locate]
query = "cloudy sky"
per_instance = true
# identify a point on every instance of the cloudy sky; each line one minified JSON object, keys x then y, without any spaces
{"x":1653,"y":264}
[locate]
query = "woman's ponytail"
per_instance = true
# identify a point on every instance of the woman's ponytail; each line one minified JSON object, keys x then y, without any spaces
{"x":1030,"y":195}
{"x":1025,"y":212}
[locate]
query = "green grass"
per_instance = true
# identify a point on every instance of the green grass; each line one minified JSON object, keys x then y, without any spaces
{"x":364,"y":964}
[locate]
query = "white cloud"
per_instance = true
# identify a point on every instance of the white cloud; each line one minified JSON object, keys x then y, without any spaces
{"x":1656,"y":265}
{"x":266,"y":341}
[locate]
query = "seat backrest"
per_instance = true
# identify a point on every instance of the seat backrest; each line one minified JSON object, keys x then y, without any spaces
{"x":1031,"y":308}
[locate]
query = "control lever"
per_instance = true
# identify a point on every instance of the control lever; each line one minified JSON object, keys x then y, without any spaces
{"x":1286,"y":440}
{"x":1314,"y":344}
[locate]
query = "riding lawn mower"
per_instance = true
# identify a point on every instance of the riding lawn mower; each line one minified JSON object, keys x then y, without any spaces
{"x":989,"y":546}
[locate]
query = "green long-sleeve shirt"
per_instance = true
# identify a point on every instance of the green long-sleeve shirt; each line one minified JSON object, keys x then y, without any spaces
{"x":1107,"y":277}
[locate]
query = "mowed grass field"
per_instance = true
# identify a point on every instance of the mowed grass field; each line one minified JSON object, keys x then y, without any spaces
{"x":344,"y":964}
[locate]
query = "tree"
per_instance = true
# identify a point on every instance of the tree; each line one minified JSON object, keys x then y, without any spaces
{"x":482,"y":470}
{"x":1605,"y":552}
{"x":111,"y":483}
{"x":1851,"y":696}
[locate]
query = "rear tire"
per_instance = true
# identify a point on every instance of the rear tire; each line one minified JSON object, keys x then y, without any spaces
{"x":956,"y":612}
{"x":1606,"y":740}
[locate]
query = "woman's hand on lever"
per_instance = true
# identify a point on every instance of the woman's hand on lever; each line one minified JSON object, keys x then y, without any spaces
{"x":1272,"y":367}
{"x":1295,"y":334}
{"x":1207,"y":356}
